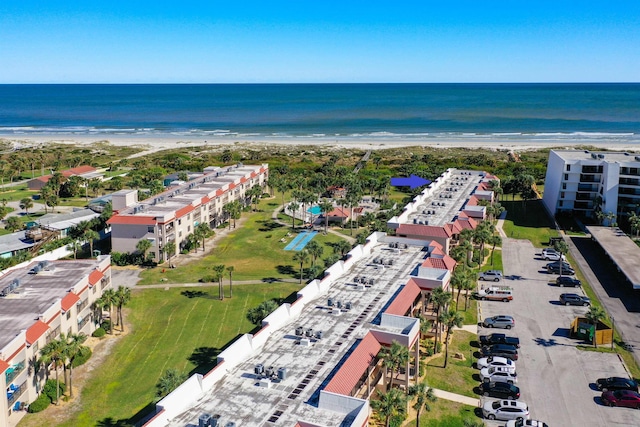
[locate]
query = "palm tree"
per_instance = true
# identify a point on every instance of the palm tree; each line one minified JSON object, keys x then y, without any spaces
{"x":326,"y":206}
{"x":201,"y":232}
{"x":91,"y":235}
{"x":108,"y":299}
{"x":423,"y":395}
{"x":122,"y":298}
{"x":594,"y":316}
{"x":26,"y":204}
{"x":562,"y":247}
{"x":143,"y":246}
{"x":74,"y":246}
{"x":390,"y":404}
{"x":494,"y":241}
{"x":394,"y":357}
{"x":315,"y":250}
{"x":634,"y":222}
{"x":73,"y":349}
{"x":52,"y":354}
{"x":219,"y":272}
{"x":342,"y":246}
{"x":450,"y":319}
{"x":425,"y":326}
{"x":459,"y":280}
{"x":440,"y":299}
{"x":293,"y":207}
{"x":302,"y":257}
{"x":170,"y":249}
{"x":230,"y":270}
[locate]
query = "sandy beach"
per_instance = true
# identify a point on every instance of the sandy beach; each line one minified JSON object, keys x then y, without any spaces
{"x":159,"y":142}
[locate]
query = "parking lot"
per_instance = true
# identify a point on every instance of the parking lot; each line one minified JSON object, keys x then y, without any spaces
{"x":556,"y":380}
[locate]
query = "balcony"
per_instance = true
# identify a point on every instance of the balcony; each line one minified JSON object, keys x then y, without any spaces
{"x":591,"y":169}
{"x":587,"y":187}
{"x":589,"y":178}
{"x":13,"y":371}
{"x":14,"y":392}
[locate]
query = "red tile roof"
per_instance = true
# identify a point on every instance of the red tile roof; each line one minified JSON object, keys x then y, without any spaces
{"x":473,"y":201}
{"x":424,"y":284}
{"x":183,"y":211}
{"x":423,"y":231}
{"x":95,"y":277}
{"x":132,"y":220}
{"x":81,"y":170}
{"x":205,"y":200}
{"x":36,"y":331}
{"x":443,"y":263}
{"x":3,"y":366}
{"x":253,"y":174}
{"x":243,"y":180}
{"x":401,"y":304}
{"x":339,"y":212}
{"x":344,"y":381}
{"x":232,"y":186}
{"x":69,"y":300}
{"x":219,"y":193}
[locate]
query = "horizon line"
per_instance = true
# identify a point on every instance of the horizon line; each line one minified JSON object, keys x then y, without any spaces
{"x":315,"y":83}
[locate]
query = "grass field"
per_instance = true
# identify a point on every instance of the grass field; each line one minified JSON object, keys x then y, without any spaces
{"x":457,"y":377}
{"x":180,"y":328}
{"x":528,"y":220}
{"x":254,"y":250}
{"x":445,"y":413}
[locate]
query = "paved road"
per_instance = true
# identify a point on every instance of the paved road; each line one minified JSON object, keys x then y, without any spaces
{"x":555,"y":378}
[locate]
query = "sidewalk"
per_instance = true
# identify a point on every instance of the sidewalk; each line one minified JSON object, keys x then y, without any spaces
{"x":441,"y":394}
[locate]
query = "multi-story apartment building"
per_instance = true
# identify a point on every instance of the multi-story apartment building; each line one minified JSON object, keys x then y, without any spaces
{"x":173,"y":215}
{"x":585,"y":182}
{"x":37,"y":303}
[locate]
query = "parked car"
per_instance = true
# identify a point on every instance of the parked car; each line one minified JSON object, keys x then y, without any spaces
{"x":552,"y":255}
{"x":505,"y":410}
{"x":563,"y":281}
{"x":565,"y":270}
{"x":495,"y":293}
{"x":575,"y":299}
{"x":556,"y":264}
{"x":625,"y":398}
{"x":498,"y":374}
{"x":500,"y":389}
{"x":504,"y":350}
{"x":494,"y":275}
{"x":489,"y":361}
{"x":525,"y":423}
{"x":499,"y":339}
{"x":616,"y":383}
{"x":501,"y":321}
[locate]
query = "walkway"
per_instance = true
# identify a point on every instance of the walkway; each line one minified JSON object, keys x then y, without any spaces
{"x":466,"y":400}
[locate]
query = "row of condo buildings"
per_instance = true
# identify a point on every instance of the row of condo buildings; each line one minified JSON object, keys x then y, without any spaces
{"x":317,"y":361}
{"x":38,"y":302}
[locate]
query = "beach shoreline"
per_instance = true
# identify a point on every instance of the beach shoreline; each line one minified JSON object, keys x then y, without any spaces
{"x":161,"y":142}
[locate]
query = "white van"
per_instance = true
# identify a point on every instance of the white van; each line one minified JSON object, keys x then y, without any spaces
{"x":496,"y":293}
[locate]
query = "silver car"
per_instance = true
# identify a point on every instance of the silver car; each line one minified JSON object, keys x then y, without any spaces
{"x":502,"y":321}
{"x":487,"y":362}
{"x":494,"y":275}
{"x":504,"y":374}
{"x":505,"y":410}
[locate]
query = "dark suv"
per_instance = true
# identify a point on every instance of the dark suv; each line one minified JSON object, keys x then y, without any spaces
{"x":500,"y":389}
{"x":574,"y":299}
{"x":504,"y":350}
{"x":616,"y":383}
{"x":556,"y":270}
{"x":563,"y":281}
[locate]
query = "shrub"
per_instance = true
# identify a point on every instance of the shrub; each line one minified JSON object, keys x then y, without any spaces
{"x":49,"y":390}
{"x":99,"y":333}
{"x":106,"y":325}
{"x":40,"y":404}
{"x":206,"y":279}
{"x":84,"y":356}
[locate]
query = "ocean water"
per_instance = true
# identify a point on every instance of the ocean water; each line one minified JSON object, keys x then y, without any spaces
{"x":589,"y":112}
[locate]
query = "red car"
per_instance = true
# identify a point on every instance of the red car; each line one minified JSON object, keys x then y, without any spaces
{"x":626,"y":398}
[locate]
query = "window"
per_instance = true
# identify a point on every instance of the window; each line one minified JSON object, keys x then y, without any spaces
{"x":562,"y":194}
{"x":180,"y":234}
{"x":560,"y":203}
{"x":564,"y":185}
{"x":150,"y":229}
{"x":566,"y":176}
{"x":35,"y":347}
{"x":188,"y":228}
{"x":68,"y":314}
{"x":180,"y":222}
{"x":568,"y":168}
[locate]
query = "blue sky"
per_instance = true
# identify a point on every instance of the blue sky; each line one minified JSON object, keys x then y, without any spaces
{"x":137,"y":41}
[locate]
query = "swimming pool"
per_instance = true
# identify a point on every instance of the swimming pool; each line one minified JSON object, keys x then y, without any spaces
{"x":314,"y":210}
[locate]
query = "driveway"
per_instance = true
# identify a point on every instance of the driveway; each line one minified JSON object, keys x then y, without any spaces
{"x":555,"y":378}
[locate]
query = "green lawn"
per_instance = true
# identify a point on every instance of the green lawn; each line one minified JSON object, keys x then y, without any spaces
{"x":179,"y":328}
{"x":445,"y":413}
{"x":528,"y":220}
{"x":457,"y":377}
{"x":254,"y":249}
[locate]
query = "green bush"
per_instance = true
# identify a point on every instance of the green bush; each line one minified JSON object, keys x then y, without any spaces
{"x":98,"y":333}
{"x":85,"y":354}
{"x":49,"y":390}
{"x":207,"y":279}
{"x":40,"y":404}
{"x":106,"y":325}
